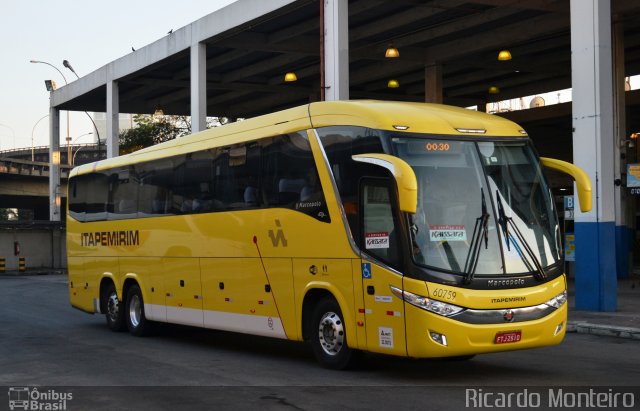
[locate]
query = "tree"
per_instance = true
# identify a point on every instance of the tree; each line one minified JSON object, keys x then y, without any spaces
{"x":150,"y":131}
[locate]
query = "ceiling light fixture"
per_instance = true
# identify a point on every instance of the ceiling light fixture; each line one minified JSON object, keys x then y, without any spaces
{"x":290,"y":76}
{"x":391,"y":52}
{"x":393,"y":83}
{"x":504,"y":55}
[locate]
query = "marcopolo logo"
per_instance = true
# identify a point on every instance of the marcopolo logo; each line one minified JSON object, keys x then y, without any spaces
{"x":25,"y":398}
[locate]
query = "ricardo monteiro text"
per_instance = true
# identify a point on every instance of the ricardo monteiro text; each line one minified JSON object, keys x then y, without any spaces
{"x":554,"y":398}
{"x":110,"y":238}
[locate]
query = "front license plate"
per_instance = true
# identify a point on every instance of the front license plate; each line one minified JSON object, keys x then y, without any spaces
{"x":508,"y":337}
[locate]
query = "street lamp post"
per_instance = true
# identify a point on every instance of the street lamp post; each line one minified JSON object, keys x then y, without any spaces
{"x":68,"y":65}
{"x":68,"y":139}
{"x":33,"y":148}
{"x":73,"y":159}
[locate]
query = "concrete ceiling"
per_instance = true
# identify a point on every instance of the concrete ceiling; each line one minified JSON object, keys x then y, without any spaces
{"x":246,"y":63}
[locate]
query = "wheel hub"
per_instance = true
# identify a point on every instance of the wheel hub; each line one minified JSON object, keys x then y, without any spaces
{"x":331,"y":333}
{"x":135,"y":310}
{"x":113,"y":307}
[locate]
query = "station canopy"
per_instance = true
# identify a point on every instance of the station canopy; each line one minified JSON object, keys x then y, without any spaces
{"x":248,"y":54}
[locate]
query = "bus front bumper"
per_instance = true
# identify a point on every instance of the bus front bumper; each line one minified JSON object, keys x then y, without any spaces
{"x":432,"y":335}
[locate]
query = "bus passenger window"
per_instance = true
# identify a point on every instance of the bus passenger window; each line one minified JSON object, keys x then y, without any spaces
{"x":289,"y":176}
{"x":123,"y":194}
{"x":340,"y":143}
{"x":154,"y":191}
{"x":78,"y":197}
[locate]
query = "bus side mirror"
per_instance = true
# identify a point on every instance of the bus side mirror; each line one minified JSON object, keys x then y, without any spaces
{"x":582,"y":179}
{"x":402,"y":172}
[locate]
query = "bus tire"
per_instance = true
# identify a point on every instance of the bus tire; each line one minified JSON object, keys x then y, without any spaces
{"x":134,"y":312}
{"x":114,"y":309}
{"x":329,"y":336}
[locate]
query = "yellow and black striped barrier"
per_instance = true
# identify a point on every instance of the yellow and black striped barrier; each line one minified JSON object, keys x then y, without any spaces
{"x":22,"y":264}
{"x":2,"y":264}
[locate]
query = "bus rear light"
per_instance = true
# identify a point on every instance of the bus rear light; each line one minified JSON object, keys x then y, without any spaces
{"x":434,"y":306}
{"x":439,"y":338}
{"x":559,"y":328}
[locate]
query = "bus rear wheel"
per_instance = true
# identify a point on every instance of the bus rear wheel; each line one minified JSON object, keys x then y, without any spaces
{"x":114,"y":309}
{"x":134,"y":312}
{"x":329,"y":336}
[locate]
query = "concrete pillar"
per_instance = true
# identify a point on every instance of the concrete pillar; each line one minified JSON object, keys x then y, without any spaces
{"x":54,"y":164}
{"x":593,"y":150}
{"x":433,"y":83}
{"x":57,"y":241}
{"x":336,"y":49}
{"x":113,"y":119}
{"x":624,"y":224}
{"x":198,"y":87}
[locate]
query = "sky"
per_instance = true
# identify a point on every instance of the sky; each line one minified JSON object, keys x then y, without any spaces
{"x":89,"y":34}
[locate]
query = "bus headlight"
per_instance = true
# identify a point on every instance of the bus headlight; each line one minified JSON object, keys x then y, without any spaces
{"x":558,"y":300}
{"x":434,"y":306}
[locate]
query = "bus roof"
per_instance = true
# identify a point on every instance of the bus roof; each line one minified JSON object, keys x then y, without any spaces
{"x":384,"y":115}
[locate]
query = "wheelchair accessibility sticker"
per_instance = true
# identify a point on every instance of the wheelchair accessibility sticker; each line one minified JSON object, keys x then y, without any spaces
{"x":366,"y":270}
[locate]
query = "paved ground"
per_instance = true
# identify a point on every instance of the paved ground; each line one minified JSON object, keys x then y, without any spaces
{"x":45,"y":342}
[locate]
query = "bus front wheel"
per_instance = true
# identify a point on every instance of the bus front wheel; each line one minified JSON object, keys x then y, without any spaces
{"x":114,"y":309}
{"x":134,"y":312}
{"x":329,"y":336}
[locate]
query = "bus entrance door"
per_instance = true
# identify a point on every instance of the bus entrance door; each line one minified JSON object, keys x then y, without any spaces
{"x":384,"y":313}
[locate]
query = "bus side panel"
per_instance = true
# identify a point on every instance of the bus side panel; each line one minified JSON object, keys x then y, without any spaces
{"x":281,"y":282}
{"x":183,"y":290}
{"x":332,"y":275}
{"x":235,"y":299}
{"x":95,"y":268}
{"x":78,"y":291}
{"x":150,"y":276}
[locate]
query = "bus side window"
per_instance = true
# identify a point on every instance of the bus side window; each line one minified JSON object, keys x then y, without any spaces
{"x":340,"y":143}
{"x":78,"y":197}
{"x":290,"y":178}
{"x":379,"y":234}
{"x":123,"y":194}
{"x":97,"y":196}
{"x":154,"y":193}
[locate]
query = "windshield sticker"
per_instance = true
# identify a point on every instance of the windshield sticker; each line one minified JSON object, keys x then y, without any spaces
{"x":447,"y":233}
{"x":376,"y":240}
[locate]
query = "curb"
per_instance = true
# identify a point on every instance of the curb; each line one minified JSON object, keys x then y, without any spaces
{"x":31,"y":273}
{"x":583,"y":327}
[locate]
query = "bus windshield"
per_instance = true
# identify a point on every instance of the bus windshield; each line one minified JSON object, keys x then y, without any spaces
{"x":483,"y":207}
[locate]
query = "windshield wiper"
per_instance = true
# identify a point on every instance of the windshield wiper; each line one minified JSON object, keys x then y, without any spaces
{"x":506,"y":222}
{"x":480,"y":231}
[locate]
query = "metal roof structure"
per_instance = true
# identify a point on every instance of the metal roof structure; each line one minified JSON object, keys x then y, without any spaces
{"x":251,"y":44}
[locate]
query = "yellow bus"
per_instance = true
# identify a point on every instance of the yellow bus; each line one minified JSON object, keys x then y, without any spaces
{"x":407,"y":229}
